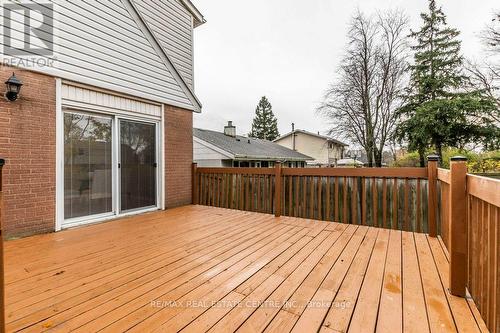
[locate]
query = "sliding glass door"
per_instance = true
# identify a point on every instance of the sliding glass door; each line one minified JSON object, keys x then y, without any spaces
{"x":110,"y":166}
{"x":87,"y":165}
{"x":138,"y":167}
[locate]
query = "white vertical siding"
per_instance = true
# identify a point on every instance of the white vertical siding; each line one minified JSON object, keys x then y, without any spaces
{"x":171,"y":23}
{"x":80,"y":96}
{"x":98,"y":43}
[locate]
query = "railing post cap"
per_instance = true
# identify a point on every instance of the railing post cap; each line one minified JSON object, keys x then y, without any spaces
{"x":458,"y":158}
{"x":433,"y":158}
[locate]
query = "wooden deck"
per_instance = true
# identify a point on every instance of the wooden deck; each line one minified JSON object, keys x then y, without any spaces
{"x":200,"y":268}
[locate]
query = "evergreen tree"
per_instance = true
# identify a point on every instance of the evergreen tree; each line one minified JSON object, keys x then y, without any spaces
{"x":265,"y":124}
{"x":442,"y":109}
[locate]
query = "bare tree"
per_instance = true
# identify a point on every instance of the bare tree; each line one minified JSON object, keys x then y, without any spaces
{"x":486,"y":75}
{"x":491,"y":35}
{"x":361,"y":102}
{"x":486,"y":78}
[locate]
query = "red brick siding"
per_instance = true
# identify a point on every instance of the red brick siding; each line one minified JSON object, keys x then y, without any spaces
{"x":178,"y":156}
{"x":28,"y":144}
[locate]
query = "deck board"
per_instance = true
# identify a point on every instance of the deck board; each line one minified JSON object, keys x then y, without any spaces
{"x":199,"y":269}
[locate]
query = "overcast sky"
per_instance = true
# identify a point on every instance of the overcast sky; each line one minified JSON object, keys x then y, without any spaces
{"x":288,"y":50}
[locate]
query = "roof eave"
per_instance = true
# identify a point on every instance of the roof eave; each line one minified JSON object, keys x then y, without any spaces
{"x":311,"y":134}
{"x":339,"y":142}
{"x":197,"y":15}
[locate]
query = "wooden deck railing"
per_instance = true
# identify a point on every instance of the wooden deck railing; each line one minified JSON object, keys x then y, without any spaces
{"x":390,"y":198}
{"x":396,"y":198}
{"x":483,"y":275}
{"x":463,"y":209}
{"x":469,"y":221}
{"x":250,"y":189}
{"x":2,"y":281}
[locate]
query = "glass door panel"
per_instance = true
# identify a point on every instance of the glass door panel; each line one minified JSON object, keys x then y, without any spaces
{"x":138,"y":175}
{"x":87,"y":165}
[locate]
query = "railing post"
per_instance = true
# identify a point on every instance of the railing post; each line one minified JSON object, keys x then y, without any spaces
{"x":194,"y":183}
{"x":458,"y":225}
{"x":432,"y":165}
{"x":2,"y":272}
{"x":277,"y":189}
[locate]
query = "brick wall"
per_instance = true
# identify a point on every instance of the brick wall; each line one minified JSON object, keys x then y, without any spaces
{"x":178,"y":156}
{"x":28,"y":144}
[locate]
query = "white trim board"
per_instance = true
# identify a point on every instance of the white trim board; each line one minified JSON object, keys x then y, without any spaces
{"x":59,"y":157}
{"x":79,"y":96}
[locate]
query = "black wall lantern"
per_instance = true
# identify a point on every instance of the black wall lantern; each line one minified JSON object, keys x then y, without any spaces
{"x":13,"y":88}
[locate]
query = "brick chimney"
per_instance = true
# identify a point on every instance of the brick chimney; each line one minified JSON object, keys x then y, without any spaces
{"x":230,"y":130}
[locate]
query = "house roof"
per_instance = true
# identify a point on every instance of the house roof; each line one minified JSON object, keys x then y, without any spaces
{"x":242,"y":147}
{"x":313,"y":134}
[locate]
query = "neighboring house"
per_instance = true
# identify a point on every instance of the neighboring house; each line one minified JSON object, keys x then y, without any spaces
{"x":102,"y":126}
{"x":226,"y":149}
{"x":324,"y":150}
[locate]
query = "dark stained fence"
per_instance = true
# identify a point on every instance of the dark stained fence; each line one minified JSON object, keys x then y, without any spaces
{"x":395,"y":198}
{"x":388,"y":198}
{"x":250,"y":189}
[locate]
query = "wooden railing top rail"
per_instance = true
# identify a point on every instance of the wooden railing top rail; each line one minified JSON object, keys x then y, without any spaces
{"x":358,"y":172}
{"x":484,"y":188}
{"x":325,"y":172}
{"x":444,"y":175}
{"x":238,"y":171}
